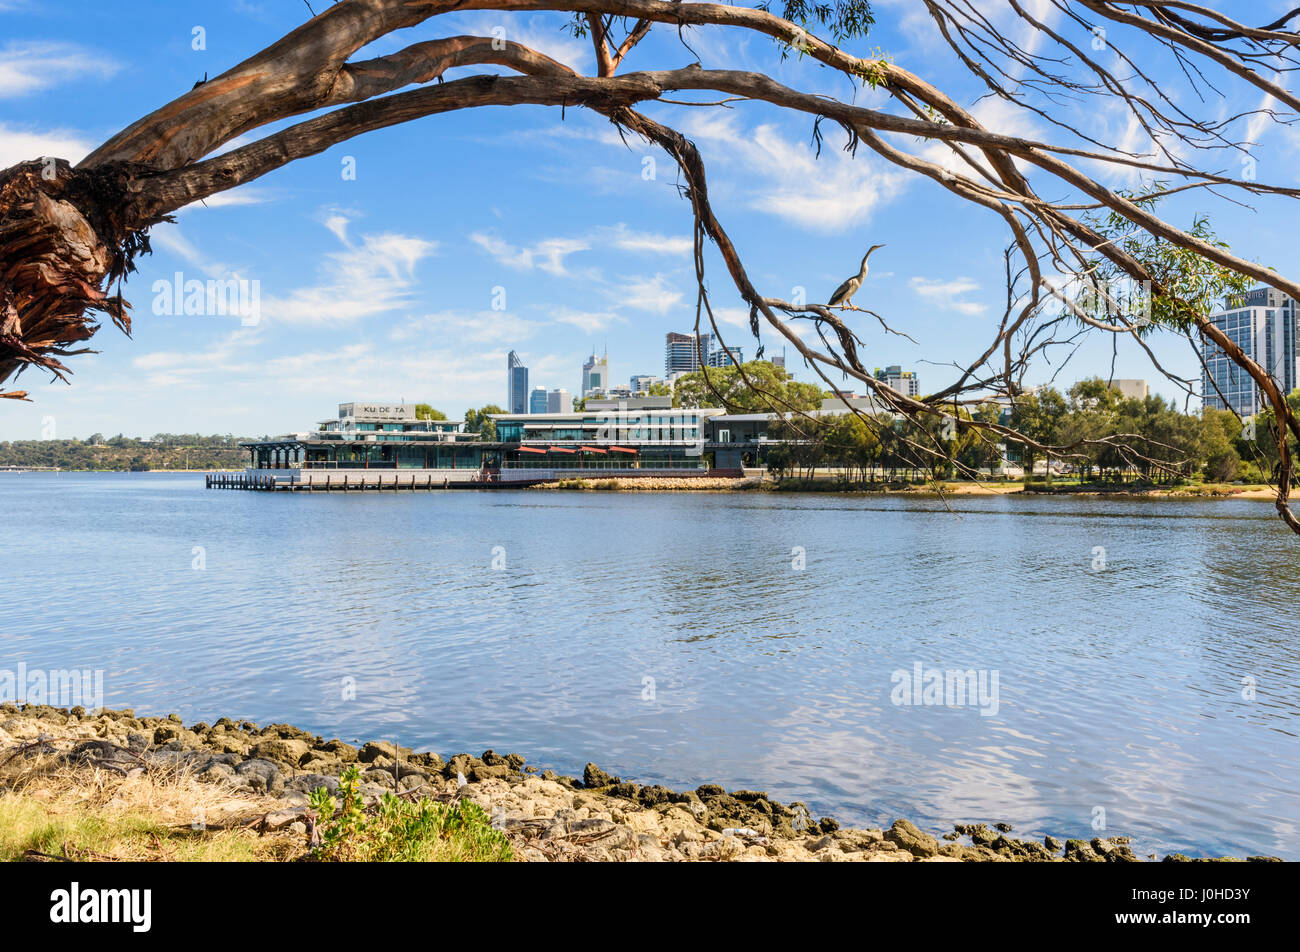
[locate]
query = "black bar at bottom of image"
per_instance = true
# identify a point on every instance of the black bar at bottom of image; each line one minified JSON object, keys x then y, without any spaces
{"x":143,"y":901}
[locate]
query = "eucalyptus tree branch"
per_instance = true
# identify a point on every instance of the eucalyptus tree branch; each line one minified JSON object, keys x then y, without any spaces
{"x":64,"y":242}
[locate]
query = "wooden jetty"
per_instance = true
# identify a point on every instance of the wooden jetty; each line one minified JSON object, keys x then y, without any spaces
{"x":355,"y":482}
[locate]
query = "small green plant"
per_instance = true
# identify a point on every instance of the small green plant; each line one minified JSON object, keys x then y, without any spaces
{"x":340,"y":828}
{"x":402,"y":831}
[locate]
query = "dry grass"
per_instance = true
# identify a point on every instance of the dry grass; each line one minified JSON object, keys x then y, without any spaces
{"x":48,"y":809}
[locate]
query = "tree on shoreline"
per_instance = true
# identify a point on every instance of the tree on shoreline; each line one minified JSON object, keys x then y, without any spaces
{"x":424,"y":411}
{"x":68,"y":236}
{"x":480,"y":422}
{"x":753,"y":387}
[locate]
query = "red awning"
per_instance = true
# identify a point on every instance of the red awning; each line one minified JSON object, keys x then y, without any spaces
{"x":591,"y":449}
{"x":530,"y":449}
{"x":558,"y":449}
{"x":621,"y":449}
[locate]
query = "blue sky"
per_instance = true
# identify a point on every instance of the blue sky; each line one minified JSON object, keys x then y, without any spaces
{"x":381,"y":286}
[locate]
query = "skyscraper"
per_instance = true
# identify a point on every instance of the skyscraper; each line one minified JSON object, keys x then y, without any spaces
{"x":726,"y":356}
{"x":537,"y":400}
{"x":516,"y":384}
{"x":1132,"y":389}
{"x":904,"y":381}
{"x":595,"y":374}
{"x":559,"y":401}
{"x":1264,"y":325}
{"x":681,"y":355}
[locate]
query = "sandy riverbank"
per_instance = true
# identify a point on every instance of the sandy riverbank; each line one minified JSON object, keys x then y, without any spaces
{"x":761,"y":484}
{"x":251,"y":785}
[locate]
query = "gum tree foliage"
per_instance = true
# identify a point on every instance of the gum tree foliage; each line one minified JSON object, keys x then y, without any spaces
{"x":1212,"y":445}
{"x":424,"y":411}
{"x":69,"y":236}
{"x":480,"y":422}
{"x":754,"y":387}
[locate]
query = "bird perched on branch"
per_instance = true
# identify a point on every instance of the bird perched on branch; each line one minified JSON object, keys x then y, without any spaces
{"x":843,"y":296}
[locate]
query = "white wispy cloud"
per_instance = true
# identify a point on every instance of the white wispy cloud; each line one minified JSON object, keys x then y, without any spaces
{"x":475,"y":327}
{"x":372,"y":275}
{"x":831,"y":192}
{"x":32,"y":66}
{"x":655,"y":294}
{"x":948,"y":294}
{"x":548,"y":254}
{"x":587,"y":321}
{"x":435,"y":372}
{"x":236,"y":198}
{"x":170,"y":237}
{"x":537,"y":32}
{"x":624,"y":238}
{"x":735,"y":316}
{"x":996,"y":115}
{"x":22,"y":145}
{"x":371,"y":368}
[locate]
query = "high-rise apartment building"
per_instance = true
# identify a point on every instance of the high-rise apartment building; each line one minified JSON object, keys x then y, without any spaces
{"x":904,"y":381}
{"x":1263,"y":323}
{"x":681,"y":355}
{"x":721,"y":357}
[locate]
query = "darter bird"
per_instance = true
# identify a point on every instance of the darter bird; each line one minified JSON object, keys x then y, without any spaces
{"x":843,"y":295}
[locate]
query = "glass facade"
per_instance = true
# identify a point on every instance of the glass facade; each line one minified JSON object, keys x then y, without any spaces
{"x":516,"y":384}
{"x":606,"y":438}
{"x":1225,"y":385}
{"x":682,"y":355}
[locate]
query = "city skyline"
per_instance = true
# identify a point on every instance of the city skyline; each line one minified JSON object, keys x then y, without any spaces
{"x":370,"y":286}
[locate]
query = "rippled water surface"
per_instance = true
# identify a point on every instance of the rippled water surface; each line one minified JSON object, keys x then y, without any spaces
{"x":1119,"y":690}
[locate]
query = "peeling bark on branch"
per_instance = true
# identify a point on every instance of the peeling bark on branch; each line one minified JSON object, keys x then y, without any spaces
{"x":64,"y":235}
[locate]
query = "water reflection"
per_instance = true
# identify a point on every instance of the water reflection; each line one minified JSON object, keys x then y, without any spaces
{"x":1123,"y":689}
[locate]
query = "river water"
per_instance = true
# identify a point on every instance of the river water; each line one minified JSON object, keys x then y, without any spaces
{"x":1139,"y":659}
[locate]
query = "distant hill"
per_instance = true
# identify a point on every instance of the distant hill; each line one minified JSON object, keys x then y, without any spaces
{"x":122,"y":454}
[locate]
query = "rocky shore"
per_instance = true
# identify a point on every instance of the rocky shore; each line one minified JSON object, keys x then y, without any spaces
{"x":694,"y":484}
{"x":547,"y":817}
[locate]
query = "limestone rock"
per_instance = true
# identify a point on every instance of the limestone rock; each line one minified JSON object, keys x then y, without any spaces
{"x":904,"y":834}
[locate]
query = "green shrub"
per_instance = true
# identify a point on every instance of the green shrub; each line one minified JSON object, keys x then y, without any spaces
{"x":403,"y":831}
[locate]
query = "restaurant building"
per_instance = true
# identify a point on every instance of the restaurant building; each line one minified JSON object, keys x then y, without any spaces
{"x":381,"y":444}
